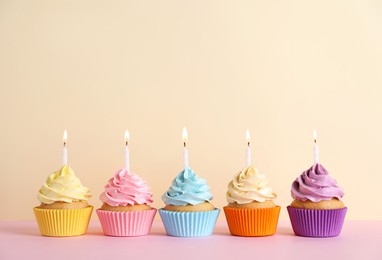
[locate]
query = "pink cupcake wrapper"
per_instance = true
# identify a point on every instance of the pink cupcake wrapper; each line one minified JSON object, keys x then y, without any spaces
{"x":315,"y":222}
{"x":126,"y":223}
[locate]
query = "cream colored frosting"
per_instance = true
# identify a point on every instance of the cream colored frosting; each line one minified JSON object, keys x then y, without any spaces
{"x":249,"y":185}
{"x":63,"y":185}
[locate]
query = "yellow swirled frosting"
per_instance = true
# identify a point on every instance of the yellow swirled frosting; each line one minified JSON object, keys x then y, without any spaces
{"x":63,"y":186}
{"x":249,"y":185}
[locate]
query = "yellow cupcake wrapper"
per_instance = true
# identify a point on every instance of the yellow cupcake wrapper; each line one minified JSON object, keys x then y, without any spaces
{"x":63,"y":222}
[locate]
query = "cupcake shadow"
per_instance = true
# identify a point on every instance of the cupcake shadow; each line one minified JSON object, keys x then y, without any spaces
{"x":284,"y":231}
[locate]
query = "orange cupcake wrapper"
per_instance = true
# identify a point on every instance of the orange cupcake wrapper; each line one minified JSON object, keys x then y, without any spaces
{"x":252,"y":222}
{"x":63,"y":222}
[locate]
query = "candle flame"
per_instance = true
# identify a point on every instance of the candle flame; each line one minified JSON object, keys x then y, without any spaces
{"x":184,"y":135}
{"x":314,"y":135}
{"x":248,"y":136}
{"x":127,"y":136}
{"x":65,"y":137}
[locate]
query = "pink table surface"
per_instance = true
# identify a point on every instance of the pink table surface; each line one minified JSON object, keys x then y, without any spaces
{"x":358,"y":240}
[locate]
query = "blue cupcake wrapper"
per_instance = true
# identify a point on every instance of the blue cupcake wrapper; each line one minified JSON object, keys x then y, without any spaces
{"x":189,"y":224}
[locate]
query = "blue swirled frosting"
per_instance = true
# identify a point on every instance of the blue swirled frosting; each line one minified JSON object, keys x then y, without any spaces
{"x":187,"y":188}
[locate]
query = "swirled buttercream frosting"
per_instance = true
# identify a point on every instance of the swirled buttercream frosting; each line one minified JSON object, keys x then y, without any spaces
{"x":249,"y":185}
{"x":126,"y":189}
{"x":315,"y":185}
{"x":63,"y":186}
{"x":187,"y":188}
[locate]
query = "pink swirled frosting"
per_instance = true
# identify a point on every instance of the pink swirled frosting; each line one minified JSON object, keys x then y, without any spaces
{"x":126,"y":189}
{"x":315,"y":185}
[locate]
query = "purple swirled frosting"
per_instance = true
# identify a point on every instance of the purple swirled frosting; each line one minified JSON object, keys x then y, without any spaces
{"x":315,"y":185}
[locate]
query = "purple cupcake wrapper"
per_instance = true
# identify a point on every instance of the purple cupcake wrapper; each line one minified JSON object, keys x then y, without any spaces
{"x":189,"y":224}
{"x":316,"y":222}
{"x":126,"y":223}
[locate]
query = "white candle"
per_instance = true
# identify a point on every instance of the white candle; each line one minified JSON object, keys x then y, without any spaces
{"x":127,"y":152}
{"x":65,"y":150}
{"x":185,"y":151}
{"x":248,"y":137}
{"x":315,"y":148}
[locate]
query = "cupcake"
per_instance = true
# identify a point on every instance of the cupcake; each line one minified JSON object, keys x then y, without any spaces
{"x":188,"y":211}
{"x":64,"y":210}
{"x":317,"y":209}
{"x":251,"y":210}
{"x":126,"y":209}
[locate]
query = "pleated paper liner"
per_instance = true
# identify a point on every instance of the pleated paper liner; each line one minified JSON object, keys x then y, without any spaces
{"x":252,"y":222}
{"x":317,"y":223}
{"x":189,"y":224}
{"x":63,"y":222}
{"x":126,"y":223}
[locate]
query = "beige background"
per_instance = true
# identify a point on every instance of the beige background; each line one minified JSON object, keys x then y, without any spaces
{"x":278,"y":68}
